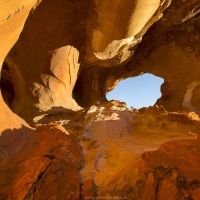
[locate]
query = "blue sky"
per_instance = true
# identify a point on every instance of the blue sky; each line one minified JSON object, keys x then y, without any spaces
{"x":140,"y":91}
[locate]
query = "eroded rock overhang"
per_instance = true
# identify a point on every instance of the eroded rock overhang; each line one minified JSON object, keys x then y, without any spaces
{"x":72,"y":58}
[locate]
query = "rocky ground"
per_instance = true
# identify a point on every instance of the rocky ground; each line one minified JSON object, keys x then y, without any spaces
{"x":104,"y":151}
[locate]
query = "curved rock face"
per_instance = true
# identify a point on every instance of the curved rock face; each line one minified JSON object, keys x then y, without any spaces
{"x":170,"y":50}
{"x":68,"y":56}
{"x":55,"y":65}
{"x":117,"y":33}
{"x":48,"y":60}
{"x":12,"y":19}
{"x":50,"y":54}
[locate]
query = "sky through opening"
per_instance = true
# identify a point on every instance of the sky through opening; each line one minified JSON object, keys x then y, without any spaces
{"x":140,"y":91}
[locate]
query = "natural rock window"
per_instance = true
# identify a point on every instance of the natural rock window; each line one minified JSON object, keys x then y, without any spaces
{"x":138,"y":92}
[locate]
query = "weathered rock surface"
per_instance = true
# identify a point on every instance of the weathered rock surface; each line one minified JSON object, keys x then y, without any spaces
{"x":134,"y":156}
{"x":48,"y":50}
{"x":68,"y":56}
{"x":50,"y":56}
{"x":107,"y":151}
{"x":170,"y":50}
{"x":57,"y":66}
{"x":12,"y":18}
{"x":40,"y":165}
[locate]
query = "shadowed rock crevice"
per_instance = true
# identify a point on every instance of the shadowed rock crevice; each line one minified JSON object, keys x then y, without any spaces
{"x":91,"y":86}
{"x":6,"y":85}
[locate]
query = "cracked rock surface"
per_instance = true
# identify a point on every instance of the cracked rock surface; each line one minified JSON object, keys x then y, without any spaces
{"x":45,"y":166}
{"x":106,"y":150}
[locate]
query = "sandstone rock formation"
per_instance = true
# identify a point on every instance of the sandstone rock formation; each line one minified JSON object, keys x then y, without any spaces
{"x":106,"y":151}
{"x":38,"y":165}
{"x":50,"y":54}
{"x":170,"y":50}
{"x":58,"y":59}
{"x":125,"y":155}
{"x":12,"y":18}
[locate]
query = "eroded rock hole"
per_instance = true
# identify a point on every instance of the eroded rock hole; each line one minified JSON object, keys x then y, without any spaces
{"x":138,"y":92}
{"x":6,"y":85}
